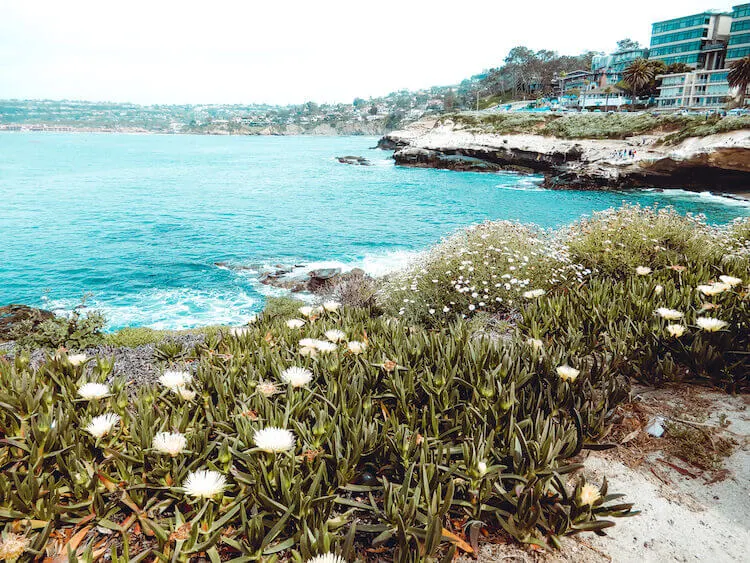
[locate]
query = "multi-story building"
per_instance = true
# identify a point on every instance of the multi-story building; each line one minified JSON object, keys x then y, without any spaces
{"x":699,"y":89}
{"x":709,"y":42}
{"x":738,"y":46}
{"x":573,"y":82}
{"x":609,"y":69}
{"x":698,"y":41}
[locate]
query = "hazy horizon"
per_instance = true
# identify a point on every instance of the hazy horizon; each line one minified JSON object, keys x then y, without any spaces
{"x":287,"y":53}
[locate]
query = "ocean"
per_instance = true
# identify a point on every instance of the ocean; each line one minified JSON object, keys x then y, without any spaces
{"x":137,"y":223}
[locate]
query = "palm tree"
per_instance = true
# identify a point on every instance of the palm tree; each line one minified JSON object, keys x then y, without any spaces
{"x":739,"y":77}
{"x":639,"y":75}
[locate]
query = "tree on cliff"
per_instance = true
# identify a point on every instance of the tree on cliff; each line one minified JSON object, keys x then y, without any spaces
{"x":528,"y":72}
{"x":739,"y":78}
{"x":627,"y":44}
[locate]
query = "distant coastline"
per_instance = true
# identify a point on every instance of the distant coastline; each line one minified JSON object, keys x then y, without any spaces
{"x":271,"y":132}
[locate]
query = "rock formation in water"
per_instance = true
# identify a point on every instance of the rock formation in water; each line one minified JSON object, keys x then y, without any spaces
{"x":717,"y":162}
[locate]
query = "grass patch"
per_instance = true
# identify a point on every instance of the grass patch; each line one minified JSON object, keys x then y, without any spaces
{"x":672,"y":128}
{"x":701,"y":448}
{"x":133,"y":337}
{"x":282,"y":307}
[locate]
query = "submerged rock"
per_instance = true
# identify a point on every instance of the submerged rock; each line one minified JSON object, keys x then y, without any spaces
{"x":358,"y":160}
{"x":316,"y":281}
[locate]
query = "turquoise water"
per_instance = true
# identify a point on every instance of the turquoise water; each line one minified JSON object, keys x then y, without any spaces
{"x":139,"y":221}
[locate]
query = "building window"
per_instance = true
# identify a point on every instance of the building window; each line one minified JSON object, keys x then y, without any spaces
{"x":739,"y":39}
{"x":738,"y":53}
{"x":681,"y":23}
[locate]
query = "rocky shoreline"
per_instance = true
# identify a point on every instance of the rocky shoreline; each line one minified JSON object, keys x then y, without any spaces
{"x":705,"y":163}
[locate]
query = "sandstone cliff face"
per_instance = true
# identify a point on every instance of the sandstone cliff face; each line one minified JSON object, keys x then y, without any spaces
{"x":718,"y":162}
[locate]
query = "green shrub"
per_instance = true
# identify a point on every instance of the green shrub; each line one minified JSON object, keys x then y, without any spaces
{"x":357,"y":291}
{"x":594,"y":297}
{"x":616,"y":241}
{"x":78,"y":331}
{"x":701,"y":127}
{"x":284,"y":307}
{"x":486,"y":268}
{"x":132,"y":337}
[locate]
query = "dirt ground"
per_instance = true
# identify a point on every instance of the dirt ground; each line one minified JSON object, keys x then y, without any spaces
{"x":689,"y":512}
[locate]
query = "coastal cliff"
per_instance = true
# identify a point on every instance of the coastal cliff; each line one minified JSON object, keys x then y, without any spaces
{"x":717,"y":161}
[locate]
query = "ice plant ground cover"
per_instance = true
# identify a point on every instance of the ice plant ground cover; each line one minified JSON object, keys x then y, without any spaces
{"x":391,"y":446}
{"x":414,"y":434}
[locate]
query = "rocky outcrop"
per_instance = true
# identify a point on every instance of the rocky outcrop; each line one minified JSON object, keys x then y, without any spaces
{"x":15,"y":317}
{"x":319,"y":281}
{"x":358,"y":160}
{"x":716,"y":162}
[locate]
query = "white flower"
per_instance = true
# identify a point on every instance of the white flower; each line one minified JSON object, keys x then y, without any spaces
{"x":239,"y":331}
{"x":77,"y":359}
{"x":204,"y":483}
{"x":90,"y":391}
{"x":710,"y":324}
{"x":102,"y":424}
{"x":331,"y":306}
{"x":535,"y":343}
{"x":730,"y":281}
{"x":482,"y":468}
{"x":296,"y":376}
{"x":295,"y":323}
{"x":174,"y":379}
{"x":589,"y":494}
{"x":306,"y":310}
{"x":308,"y":343}
{"x":170,"y":443}
{"x":534,"y":293}
{"x":267,"y":388}
{"x":323,"y":346}
{"x":12,"y":547}
{"x":669,"y":314}
{"x":185,"y":393}
{"x":567,"y":373}
{"x":335,"y":335}
{"x":643,"y":270}
{"x":659,"y":289}
{"x":274,"y":439}
{"x":676,"y":330}
{"x":327,"y":558}
{"x":713,"y":289}
{"x":356,"y":347}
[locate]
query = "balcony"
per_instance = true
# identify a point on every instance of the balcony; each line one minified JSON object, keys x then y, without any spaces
{"x":712,"y":46}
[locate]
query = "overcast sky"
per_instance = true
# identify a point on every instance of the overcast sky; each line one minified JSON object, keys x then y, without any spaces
{"x":281,"y":52}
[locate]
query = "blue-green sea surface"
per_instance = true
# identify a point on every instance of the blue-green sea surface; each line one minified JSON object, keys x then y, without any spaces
{"x":140,"y":221}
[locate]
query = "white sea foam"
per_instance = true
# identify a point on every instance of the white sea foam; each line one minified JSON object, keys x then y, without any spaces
{"x":376,"y":265}
{"x":172,"y":309}
{"x":723,"y":199}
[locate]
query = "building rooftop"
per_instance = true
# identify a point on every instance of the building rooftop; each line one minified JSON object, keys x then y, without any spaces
{"x":706,"y":13}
